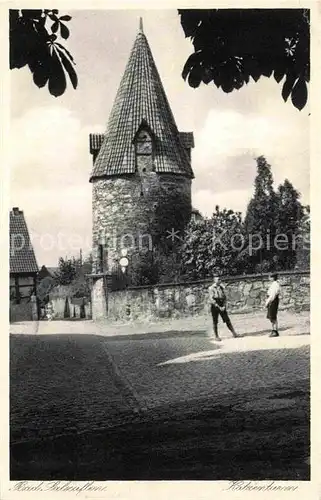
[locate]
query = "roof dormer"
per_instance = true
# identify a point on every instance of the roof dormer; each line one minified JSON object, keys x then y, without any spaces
{"x":141,"y":96}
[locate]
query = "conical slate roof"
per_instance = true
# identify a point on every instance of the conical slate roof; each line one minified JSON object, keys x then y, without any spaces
{"x":141,"y":99}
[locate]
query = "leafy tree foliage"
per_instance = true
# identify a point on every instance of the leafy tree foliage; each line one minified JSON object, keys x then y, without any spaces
{"x":266,"y":240}
{"x":162,"y":263}
{"x":44,"y":288}
{"x":67,"y":270}
{"x":289,"y":216}
{"x":170,"y":216}
{"x":260,"y":219}
{"x":73,"y":272}
{"x":212,"y":245}
{"x":231,"y":46}
{"x":143,"y":270}
{"x":170,"y":266}
{"x":303,"y":246}
{"x":34,"y":42}
{"x":156,"y":266}
{"x":80,"y":284}
{"x":275,"y":217}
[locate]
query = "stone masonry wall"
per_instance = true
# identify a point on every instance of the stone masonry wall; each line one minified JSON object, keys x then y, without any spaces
{"x":131,"y":204}
{"x":59,"y":303}
{"x":245,"y":293}
{"x":98,"y":299}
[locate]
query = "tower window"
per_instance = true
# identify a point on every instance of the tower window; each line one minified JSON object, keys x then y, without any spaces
{"x":144,"y":151}
{"x":144,"y":143}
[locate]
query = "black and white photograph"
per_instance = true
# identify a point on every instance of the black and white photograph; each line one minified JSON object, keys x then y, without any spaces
{"x":159,"y":248}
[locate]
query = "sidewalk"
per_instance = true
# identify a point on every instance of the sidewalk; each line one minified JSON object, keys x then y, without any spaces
{"x":246,"y":324}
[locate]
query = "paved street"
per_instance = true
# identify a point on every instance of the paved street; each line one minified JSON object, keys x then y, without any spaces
{"x":166,"y":405}
{"x":249,"y":324}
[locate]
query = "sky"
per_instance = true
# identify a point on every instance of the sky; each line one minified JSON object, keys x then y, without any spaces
{"x":50,"y":162}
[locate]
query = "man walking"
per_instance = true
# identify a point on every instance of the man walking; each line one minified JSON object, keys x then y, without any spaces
{"x":272,"y":304}
{"x":218,"y":307}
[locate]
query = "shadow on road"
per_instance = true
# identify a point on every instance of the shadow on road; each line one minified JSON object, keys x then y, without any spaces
{"x":63,"y":390}
{"x":191,"y":333}
{"x":218,"y":444}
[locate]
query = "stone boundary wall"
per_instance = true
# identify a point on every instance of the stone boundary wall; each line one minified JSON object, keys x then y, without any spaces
{"x":175,"y":300}
{"x":20,"y":312}
{"x":58,"y":297}
{"x":58,"y":304}
{"x":25,"y":311}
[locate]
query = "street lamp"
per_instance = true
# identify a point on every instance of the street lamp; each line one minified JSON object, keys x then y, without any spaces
{"x":123,"y":261}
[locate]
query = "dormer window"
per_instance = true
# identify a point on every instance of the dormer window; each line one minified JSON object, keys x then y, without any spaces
{"x":144,"y":146}
{"x":144,"y":143}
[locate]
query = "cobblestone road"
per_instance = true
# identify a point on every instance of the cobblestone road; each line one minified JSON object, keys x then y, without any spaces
{"x":249,"y":324}
{"x":209,"y":376}
{"x":187,"y":392}
{"x":62,"y":384}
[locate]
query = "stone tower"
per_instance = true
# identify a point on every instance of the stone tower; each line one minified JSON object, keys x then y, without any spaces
{"x":141,"y":177}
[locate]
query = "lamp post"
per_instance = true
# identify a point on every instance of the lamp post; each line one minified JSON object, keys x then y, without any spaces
{"x":123,"y":261}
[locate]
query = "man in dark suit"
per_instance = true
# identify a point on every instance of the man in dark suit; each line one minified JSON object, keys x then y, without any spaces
{"x":218,"y":307}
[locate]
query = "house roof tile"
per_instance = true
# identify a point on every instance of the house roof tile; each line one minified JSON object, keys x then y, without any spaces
{"x":22,"y":256}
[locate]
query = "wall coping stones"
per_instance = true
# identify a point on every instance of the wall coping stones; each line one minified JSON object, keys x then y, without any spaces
{"x":243,"y":277}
